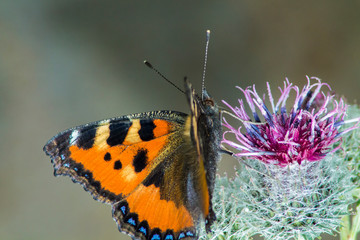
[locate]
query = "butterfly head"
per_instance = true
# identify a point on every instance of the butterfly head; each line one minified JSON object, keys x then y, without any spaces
{"x":200,"y":105}
{"x":208,"y":103}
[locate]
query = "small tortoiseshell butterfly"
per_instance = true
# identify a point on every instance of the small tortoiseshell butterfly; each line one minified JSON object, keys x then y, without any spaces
{"x":156,"y":169}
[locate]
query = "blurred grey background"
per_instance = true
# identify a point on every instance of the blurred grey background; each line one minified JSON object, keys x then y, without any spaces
{"x":65,"y":63}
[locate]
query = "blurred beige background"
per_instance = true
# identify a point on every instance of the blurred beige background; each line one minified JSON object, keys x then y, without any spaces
{"x":65,"y":63}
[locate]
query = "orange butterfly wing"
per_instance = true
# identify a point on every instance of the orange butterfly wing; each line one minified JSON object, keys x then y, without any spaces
{"x":141,"y":164}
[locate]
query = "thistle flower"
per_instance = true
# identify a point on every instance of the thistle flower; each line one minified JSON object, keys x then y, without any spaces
{"x":295,"y":183}
{"x":306,"y":133}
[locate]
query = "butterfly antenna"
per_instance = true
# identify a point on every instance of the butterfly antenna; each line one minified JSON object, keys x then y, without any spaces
{"x":205,"y":62}
{"x":161,"y":75}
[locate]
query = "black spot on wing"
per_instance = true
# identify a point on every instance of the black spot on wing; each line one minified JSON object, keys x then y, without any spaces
{"x":118,"y":132}
{"x":107,"y":157}
{"x":132,"y":219}
{"x":169,"y":235}
{"x":140,"y":160}
{"x":122,"y":207}
{"x":86,"y":137}
{"x":155,"y":234}
{"x":144,"y":229}
{"x":117,"y":165}
{"x":156,"y":177}
{"x":146,"y":131}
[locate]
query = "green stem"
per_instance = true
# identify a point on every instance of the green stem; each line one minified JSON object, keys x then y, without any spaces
{"x":345,"y":230}
{"x":355,"y":228}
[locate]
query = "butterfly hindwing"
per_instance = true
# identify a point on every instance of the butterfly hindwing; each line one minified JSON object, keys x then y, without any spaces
{"x":178,"y":186}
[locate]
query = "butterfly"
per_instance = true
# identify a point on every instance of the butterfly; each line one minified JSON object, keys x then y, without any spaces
{"x":156,"y":169}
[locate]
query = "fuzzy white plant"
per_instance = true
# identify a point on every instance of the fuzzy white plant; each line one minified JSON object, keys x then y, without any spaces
{"x":297,"y":202}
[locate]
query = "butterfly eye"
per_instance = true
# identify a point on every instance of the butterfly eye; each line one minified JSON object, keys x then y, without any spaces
{"x":209,"y":102}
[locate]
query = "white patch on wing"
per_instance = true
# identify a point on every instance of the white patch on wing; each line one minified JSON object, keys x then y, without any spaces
{"x":74,"y":137}
{"x":128,"y":174}
{"x":102,"y":133}
{"x":133,"y":133}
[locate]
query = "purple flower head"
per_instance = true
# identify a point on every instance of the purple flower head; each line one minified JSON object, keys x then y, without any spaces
{"x":306,"y":132}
